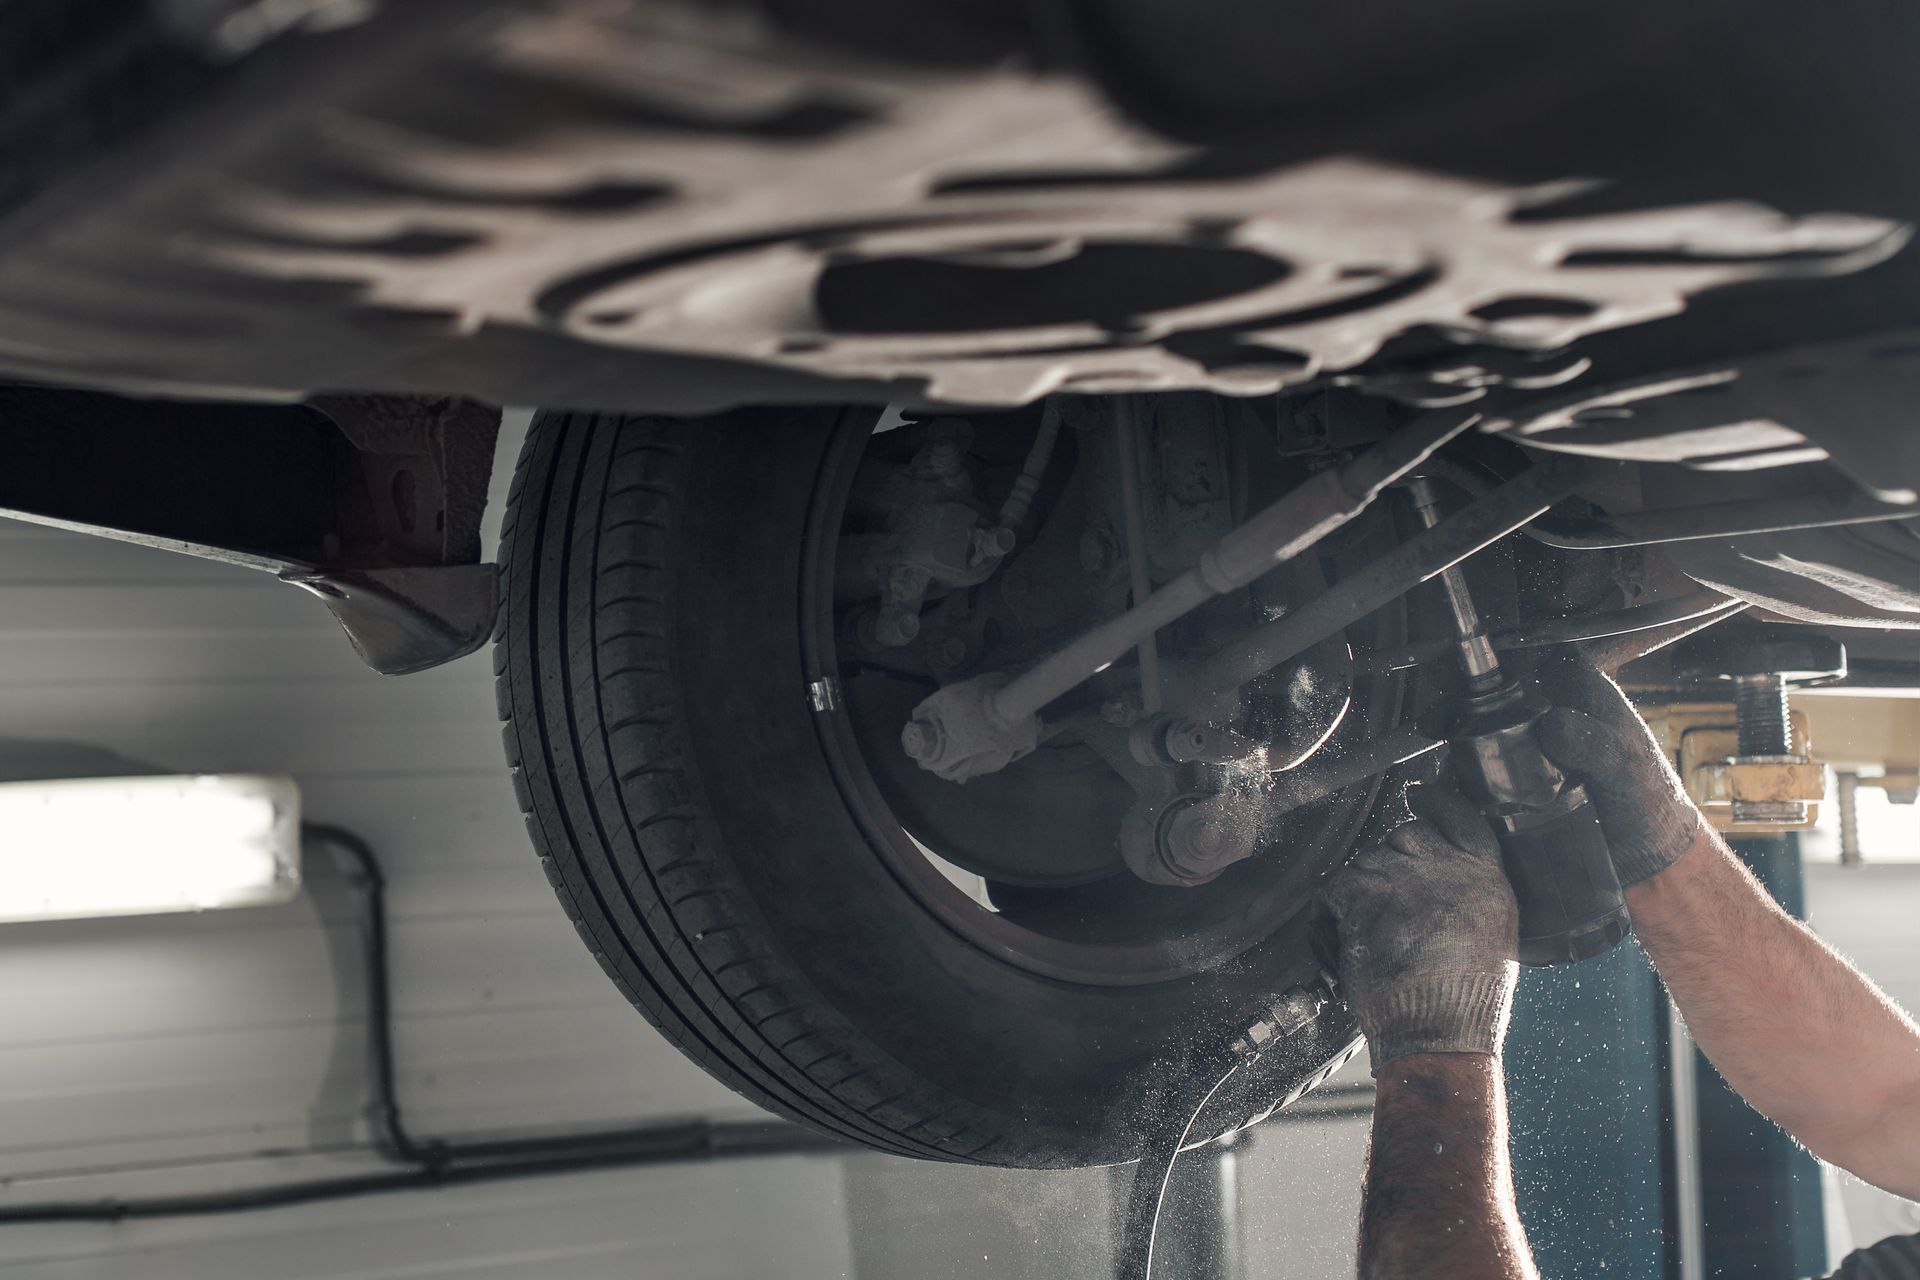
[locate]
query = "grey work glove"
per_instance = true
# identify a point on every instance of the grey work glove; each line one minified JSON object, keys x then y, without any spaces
{"x":1429,"y":935}
{"x":1600,"y":741}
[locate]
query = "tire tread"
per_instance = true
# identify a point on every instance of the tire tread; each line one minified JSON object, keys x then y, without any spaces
{"x":592,"y":509}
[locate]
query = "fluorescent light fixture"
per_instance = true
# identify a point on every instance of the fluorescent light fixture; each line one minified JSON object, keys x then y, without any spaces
{"x":82,"y":847}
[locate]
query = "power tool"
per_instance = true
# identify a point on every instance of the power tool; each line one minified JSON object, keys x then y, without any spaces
{"x":1551,"y":845}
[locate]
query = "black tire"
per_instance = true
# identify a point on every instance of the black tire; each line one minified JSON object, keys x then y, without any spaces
{"x":652,"y":679}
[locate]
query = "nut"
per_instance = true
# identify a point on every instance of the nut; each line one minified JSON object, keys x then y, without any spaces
{"x":919,"y":740}
{"x":992,"y":543}
{"x":962,"y":733}
{"x":896,"y":626}
{"x":1785,"y":813}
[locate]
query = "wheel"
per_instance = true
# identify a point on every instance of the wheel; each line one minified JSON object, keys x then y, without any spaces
{"x":716,"y":790}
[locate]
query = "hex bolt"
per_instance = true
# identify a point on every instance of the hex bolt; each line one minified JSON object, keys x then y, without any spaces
{"x":1761,"y":702}
{"x":919,"y":741}
{"x":1207,"y":836}
{"x":1191,"y":833}
{"x":896,"y":626}
{"x":990,"y":544}
{"x":951,"y":651}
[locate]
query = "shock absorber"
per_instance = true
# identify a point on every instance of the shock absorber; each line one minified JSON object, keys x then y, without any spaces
{"x":1551,"y":846}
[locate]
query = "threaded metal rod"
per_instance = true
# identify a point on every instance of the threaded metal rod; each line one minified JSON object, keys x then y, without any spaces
{"x":1476,"y":651}
{"x":1761,"y":702}
{"x":1846,"y":785}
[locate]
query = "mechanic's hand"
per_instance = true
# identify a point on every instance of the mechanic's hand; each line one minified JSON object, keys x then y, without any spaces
{"x":1599,"y":740}
{"x":1429,"y":934}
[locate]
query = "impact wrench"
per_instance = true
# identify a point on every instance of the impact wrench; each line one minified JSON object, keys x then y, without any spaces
{"x":1551,"y":848}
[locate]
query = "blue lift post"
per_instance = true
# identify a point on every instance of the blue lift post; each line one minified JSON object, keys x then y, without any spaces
{"x":1590,"y":1089}
{"x":1761,"y":1195}
{"x":1587,"y":1091}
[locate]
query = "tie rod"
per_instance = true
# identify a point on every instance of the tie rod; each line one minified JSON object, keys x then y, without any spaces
{"x":980,"y":725}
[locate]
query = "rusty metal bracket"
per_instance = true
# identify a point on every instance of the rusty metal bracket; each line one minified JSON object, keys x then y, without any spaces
{"x":1703,"y":740}
{"x":372,"y":504}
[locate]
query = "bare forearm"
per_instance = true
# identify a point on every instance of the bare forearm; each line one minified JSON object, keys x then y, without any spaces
{"x":1783,"y":1016}
{"x":1439,"y":1194}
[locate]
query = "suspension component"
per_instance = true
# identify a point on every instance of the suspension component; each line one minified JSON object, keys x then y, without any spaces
{"x":930,"y":537}
{"x":1425,"y":555}
{"x":994,"y":722}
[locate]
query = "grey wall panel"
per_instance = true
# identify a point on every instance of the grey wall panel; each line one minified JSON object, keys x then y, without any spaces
{"x":417,"y":723}
{"x":951,"y":1222}
{"x":1300,"y":1199}
{"x":241,"y":603}
{"x":176,"y":656}
{"x":36,"y":554}
{"x":728,"y":1221}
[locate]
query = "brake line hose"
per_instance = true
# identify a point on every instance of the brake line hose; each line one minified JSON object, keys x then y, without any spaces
{"x":1149,"y":1190}
{"x":1295,"y":1009}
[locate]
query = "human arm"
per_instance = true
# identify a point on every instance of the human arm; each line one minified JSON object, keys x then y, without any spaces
{"x":1780,"y":1014}
{"x":1807,"y":1039}
{"x":1439,"y":1192}
{"x":1429,"y":931}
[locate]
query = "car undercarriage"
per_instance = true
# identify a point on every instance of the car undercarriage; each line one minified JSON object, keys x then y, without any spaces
{"x":1008,"y":473}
